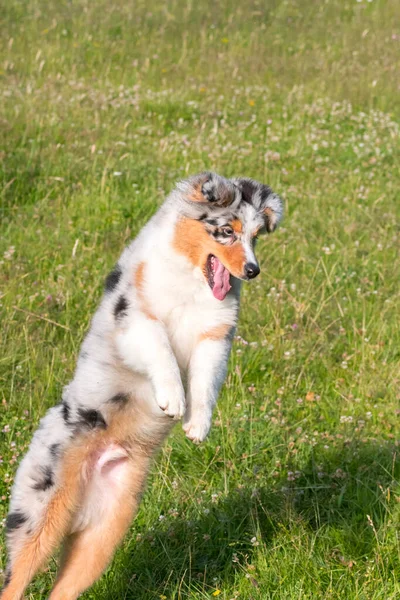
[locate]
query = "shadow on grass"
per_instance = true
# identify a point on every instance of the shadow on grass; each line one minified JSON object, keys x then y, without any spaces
{"x":189,"y":555}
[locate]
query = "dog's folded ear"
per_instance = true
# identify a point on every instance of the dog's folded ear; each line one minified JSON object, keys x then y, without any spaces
{"x":263,"y":199}
{"x":209,"y":188}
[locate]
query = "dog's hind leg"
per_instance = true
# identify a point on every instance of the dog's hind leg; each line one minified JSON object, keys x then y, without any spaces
{"x":107,"y":510}
{"x":32,"y":548}
{"x":42,"y":506}
{"x":46,"y":493}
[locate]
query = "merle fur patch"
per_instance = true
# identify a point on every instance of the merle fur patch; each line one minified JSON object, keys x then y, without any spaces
{"x":66,"y":411}
{"x":46,"y":482}
{"x":7,"y":580}
{"x":265,"y":193}
{"x":119,"y":399}
{"x":248,"y":189}
{"x":89,"y":418}
{"x":112,"y":279}
{"x":15,"y":520}
{"x":54,"y":450}
{"x":121,"y":307}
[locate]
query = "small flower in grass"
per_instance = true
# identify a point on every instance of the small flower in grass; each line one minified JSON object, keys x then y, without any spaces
{"x":117,"y":173}
{"x":161,"y":518}
{"x":254,"y":541}
{"x":8,"y":254}
{"x":291,"y":476}
{"x":6,"y":429}
{"x":346,"y":419}
{"x":206,"y":537}
{"x":339,"y":474}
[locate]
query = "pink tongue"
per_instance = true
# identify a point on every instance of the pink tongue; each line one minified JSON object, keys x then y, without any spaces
{"x":221,"y":280}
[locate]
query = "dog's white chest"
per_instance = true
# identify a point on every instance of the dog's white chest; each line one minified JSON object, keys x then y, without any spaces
{"x":186,"y":307}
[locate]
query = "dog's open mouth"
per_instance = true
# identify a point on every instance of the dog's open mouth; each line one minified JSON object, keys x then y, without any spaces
{"x":218,"y":277}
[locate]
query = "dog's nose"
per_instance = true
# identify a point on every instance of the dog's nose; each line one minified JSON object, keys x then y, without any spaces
{"x":251,"y":270}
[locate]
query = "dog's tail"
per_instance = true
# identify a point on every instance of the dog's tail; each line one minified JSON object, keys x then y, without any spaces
{"x":82,"y":485}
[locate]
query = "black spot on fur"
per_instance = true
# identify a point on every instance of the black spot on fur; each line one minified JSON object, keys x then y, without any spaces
{"x":84,"y":355}
{"x":54,"y":450}
{"x":112,"y":279}
{"x":7,"y":579}
{"x":90,"y":419}
{"x":66,"y":411}
{"x":265,"y":193}
{"x":203,"y":216}
{"x":120,"y":307}
{"x":119,"y":399}
{"x":47,"y":481}
{"x":212,"y":222}
{"x":209,"y":192}
{"x":248,"y":190}
{"x":15,"y":520}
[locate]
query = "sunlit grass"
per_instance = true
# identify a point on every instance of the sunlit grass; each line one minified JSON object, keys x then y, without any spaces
{"x":103,"y":106}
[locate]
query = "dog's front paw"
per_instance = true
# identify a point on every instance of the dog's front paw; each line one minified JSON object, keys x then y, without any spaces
{"x":171,"y":399}
{"x":197,"y":428}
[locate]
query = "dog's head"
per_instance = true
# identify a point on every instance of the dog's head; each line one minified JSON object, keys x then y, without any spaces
{"x":221,"y":219}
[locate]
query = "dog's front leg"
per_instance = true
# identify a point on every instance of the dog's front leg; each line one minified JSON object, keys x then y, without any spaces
{"x":144,"y":347}
{"x":207,"y":371}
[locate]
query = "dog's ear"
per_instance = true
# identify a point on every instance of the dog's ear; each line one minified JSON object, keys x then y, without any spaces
{"x":263,"y":199}
{"x":209,"y":188}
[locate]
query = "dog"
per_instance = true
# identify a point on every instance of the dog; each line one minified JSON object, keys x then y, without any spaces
{"x":156,"y":352}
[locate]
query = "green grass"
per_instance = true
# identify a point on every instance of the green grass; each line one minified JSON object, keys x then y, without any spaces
{"x":104,"y":105}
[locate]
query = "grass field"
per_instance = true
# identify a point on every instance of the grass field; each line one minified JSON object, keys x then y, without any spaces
{"x":104,"y":105}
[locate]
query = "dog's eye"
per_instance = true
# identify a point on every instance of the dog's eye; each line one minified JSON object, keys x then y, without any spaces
{"x":227,"y":231}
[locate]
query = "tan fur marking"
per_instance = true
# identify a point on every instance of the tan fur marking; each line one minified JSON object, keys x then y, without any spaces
{"x":93,"y":548}
{"x":269,"y":217}
{"x":197,"y":196}
{"x":219,"y":332}
{"x":237,"y":226}
{"x":192,"y":240}
{"x":138,"y":281}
